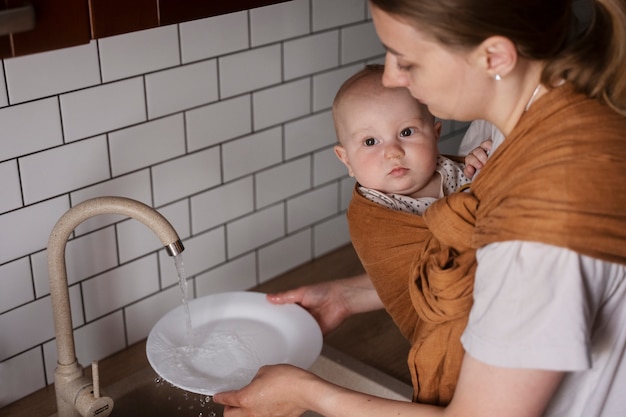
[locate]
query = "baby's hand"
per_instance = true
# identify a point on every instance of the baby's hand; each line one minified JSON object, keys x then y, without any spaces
{"x":477,"y":158}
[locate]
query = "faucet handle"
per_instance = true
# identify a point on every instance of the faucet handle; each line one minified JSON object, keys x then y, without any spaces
{"x":90,"y":403}
{"x":95,"y":377}
{"x":89,"y":406}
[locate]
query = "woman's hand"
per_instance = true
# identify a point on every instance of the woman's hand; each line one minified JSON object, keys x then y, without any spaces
{"x":288,"y":391}
{"x":483,"y":390}
{"x":334,"y":301}
{"x":477,"y":158}
{"x":276,"y":390}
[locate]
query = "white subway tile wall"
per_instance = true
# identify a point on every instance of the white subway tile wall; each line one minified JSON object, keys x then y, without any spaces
{"x":4,"y":99}
{"x":256,"y":230}
{"x":146,"y":144}
{"x":250,"y":70}
{"x":283,"y":181}
{"x":232,"y":276}
{"x":138,"y":53}
{"x":222,"y":204}
{"x":50,"y":173}
{"x":326,"y":84}
{"x":279,"y":22}
{"x":216,"y":123}
{"x":21,"y":374}
{"x":330,"y":233}
{"x":328,"y":14}
{"x":284,"y":255}
{"x":140,"y":316}
{"x":222,"y":124}
{"x":312,"y":207}
{"x":30,"y":127}
{"x":35,"y":76}
{"x":309,"y":134}
{"x":312,"y":54}
{"x":185,"y":176}
{"x":276,"y":105}
{"x":359,"y":42}
{"x":16,"y":287}
{"x":10,"y":186}
{"x":181,"y":88}
{"x":252,"y":153}
{"x":208,"y":38}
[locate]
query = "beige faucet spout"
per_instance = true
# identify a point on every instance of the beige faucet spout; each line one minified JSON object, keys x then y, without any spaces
{"x":68,"y":370}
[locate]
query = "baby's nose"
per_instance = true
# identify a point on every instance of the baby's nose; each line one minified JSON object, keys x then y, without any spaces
{"x":393,"y":150}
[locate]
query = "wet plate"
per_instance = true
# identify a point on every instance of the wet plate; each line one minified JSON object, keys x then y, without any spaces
{"x":233,"y":335}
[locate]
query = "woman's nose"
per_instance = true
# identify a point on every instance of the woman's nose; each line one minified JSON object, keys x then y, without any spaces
{"x":392,"y":77}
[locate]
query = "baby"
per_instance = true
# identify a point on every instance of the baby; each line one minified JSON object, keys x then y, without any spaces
{"x":388,"y":142}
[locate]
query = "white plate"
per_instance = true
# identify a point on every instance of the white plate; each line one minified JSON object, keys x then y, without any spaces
{"x":234,"y":334}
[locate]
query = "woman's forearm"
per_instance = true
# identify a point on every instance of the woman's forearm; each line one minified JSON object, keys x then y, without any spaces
{"x":331,"y":400}
{"x":363,"y":296}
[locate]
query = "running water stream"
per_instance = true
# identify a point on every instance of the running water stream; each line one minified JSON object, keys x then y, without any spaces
{"x":184,"y":288}
{"x":207,"y":358}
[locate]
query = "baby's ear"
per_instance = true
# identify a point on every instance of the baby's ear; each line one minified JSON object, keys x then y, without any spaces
{"x":437,"y":129}
{"x":341,"y":153}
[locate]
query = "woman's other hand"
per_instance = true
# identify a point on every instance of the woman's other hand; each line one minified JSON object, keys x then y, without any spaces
{"x":333,"y":301}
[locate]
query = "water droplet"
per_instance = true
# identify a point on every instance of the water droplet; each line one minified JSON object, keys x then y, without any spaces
{"x":212,"y":414}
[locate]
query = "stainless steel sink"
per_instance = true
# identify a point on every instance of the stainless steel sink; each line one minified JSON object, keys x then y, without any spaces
{"x":145,"y":394}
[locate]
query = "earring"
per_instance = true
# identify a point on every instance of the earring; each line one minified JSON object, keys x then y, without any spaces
{"x":497,"y":77}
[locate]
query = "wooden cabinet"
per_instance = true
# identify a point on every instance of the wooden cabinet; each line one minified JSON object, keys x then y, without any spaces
{"x":114,"y":17}
{"x":176,"y":11}
{"x":58,"y":24}
{"x":65,"y":23}
{"x":5,"y":40}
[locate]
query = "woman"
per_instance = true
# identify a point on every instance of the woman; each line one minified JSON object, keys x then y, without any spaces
{"x":547,"y":330}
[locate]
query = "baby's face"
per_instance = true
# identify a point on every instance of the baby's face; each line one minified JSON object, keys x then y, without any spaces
{"x":389,"y":141}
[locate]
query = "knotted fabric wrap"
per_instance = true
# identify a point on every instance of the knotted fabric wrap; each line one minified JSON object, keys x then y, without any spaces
{"x":559,"y":178}
{"x":561,"y":182}
{"x":427,"y":296}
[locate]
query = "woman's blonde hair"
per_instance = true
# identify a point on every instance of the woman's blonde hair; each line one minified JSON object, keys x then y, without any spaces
{"x":581,"y":41}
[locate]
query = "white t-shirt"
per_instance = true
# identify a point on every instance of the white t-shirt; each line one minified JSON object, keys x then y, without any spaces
{"x":477,"y":132}
{"x":545,"y":307}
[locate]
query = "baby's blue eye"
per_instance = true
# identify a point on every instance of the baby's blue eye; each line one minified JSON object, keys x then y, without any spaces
{"x":370,"y":142}
{"x":407,"y":132}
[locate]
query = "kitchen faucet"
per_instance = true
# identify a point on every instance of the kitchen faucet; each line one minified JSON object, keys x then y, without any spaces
{"x":76,"y":394}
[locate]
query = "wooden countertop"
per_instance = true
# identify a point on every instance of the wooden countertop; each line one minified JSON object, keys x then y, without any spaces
{"x":371,"y":338}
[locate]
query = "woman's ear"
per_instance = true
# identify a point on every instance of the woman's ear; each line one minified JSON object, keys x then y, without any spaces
{"x":499,"y":55}
{"x":341,"y":153}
